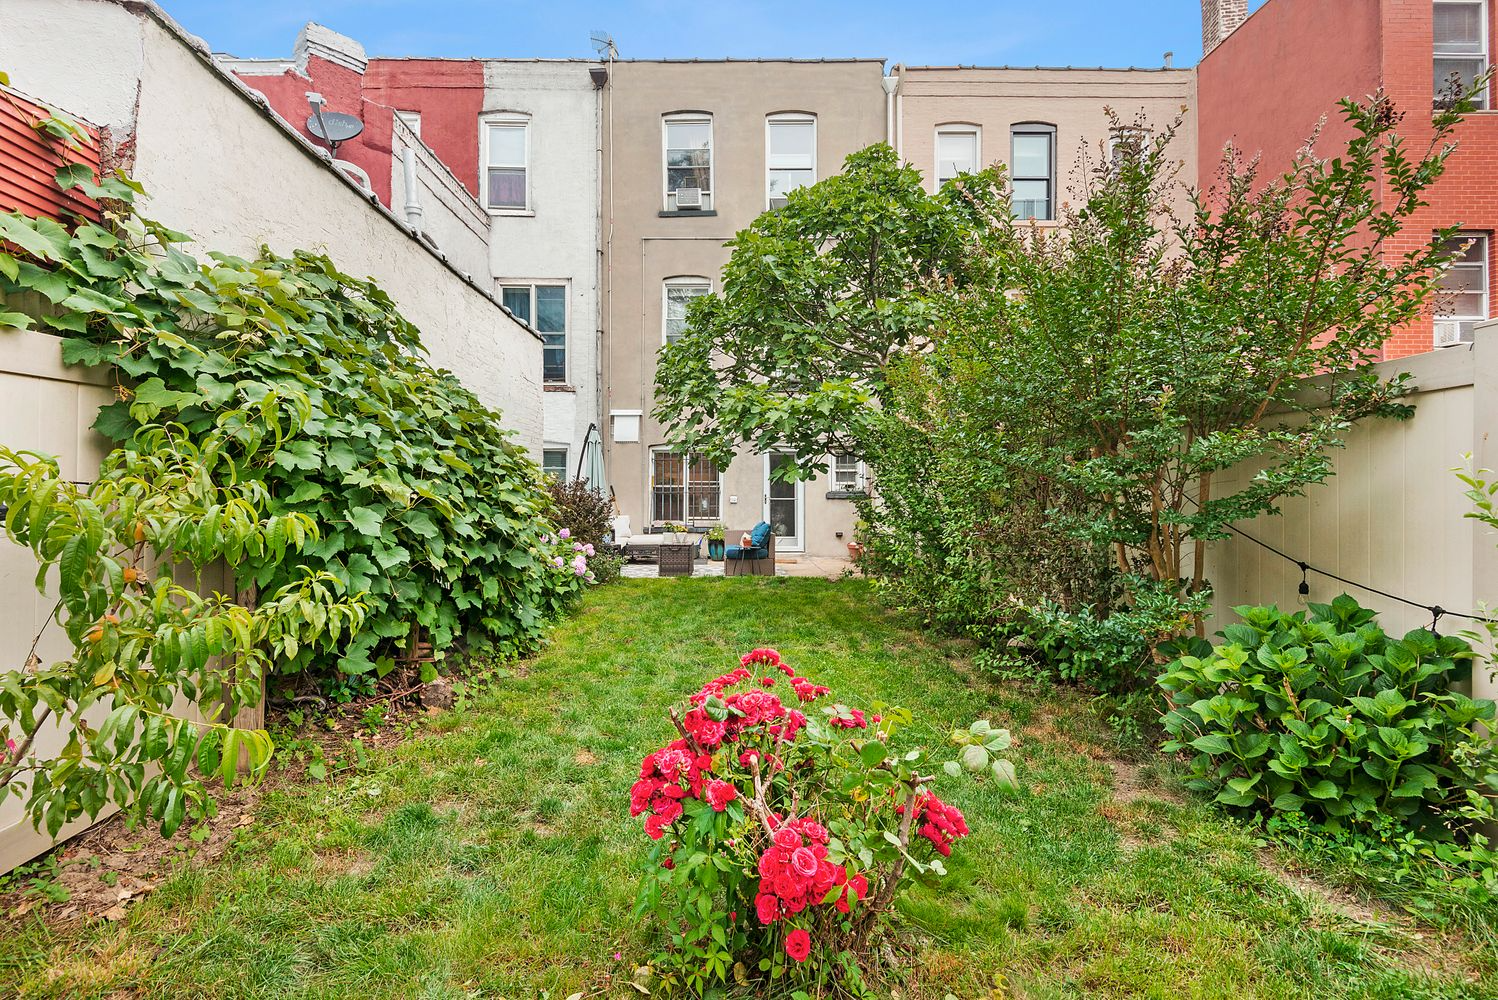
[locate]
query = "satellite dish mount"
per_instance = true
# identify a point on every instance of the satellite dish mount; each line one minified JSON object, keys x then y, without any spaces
{"x":332,"y":127}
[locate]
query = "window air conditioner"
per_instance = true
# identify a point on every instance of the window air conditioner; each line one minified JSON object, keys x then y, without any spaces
{"x":778,"y":201}
{"x":1448,"y":333}
{"x":688,"y":198}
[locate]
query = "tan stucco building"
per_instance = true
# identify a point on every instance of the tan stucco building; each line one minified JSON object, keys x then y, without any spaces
{"x":730,"y":135}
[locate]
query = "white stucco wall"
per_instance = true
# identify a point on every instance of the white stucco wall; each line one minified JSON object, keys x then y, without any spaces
{"x":451,"y":218}
{"x":217,"y":166}
{"x":557,"y":241}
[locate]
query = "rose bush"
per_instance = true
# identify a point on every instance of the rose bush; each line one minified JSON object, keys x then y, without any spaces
{"x":783,"y":831}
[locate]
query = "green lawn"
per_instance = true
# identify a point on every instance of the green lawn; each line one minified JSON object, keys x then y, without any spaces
{"x":492,"y":855}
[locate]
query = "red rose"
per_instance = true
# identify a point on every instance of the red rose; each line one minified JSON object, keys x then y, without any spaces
{"x":719,"y":794}
{"x":798,"y":944}
{"x":767,"y":907}
{"x":804,"y":862}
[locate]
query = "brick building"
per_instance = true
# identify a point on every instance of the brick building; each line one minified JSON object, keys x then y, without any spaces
{"x":1266,"y":80}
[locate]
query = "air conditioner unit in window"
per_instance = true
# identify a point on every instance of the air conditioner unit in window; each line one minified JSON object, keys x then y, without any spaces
{"x":778,"y":201}
{"x":1448,"y":333}
{"x":688,"y":198}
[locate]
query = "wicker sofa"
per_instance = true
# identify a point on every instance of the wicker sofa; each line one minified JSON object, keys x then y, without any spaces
{"x":755,"y":559}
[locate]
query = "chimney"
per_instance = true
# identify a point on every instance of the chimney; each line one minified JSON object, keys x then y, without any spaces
{"x":1220,"y":18}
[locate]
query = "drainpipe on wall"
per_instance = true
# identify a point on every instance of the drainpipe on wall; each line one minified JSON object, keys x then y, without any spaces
{"x":899,"y":109}
{"x":413,"y":199}
{"x":890,"y":83}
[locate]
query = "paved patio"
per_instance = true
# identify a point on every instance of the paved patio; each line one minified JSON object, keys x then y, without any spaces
{"x":785,"y":565}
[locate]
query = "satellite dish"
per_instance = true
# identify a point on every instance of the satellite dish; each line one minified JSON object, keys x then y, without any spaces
{"x":333,"y":126}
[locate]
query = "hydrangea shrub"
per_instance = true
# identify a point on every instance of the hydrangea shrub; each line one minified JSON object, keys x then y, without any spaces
{"x":784,"y":824}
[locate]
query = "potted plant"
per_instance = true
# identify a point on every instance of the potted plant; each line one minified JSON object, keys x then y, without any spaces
{"x":715,"y":538}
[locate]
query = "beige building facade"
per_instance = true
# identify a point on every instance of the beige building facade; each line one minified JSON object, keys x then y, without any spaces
{"x":694,"y":152}
{"x":1049,"y":127}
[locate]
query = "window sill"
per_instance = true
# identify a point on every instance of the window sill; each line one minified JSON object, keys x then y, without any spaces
{"x":690,"y":213}
{"x":847,"y":494}
{"x":514,"y":213}
{"x":558,"y":387}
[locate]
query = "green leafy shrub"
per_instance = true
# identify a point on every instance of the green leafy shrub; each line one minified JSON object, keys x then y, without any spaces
{"x":1325,"y":714}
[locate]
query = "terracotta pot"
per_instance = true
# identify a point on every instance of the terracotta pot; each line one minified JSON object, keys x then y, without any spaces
{"x":855,"y":551}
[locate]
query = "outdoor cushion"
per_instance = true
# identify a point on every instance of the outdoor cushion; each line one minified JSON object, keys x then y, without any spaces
{"x":759,"y":536}
{"x":741,"y":552}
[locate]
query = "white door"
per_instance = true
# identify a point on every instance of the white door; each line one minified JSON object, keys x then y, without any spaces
{"x":785,"y":504}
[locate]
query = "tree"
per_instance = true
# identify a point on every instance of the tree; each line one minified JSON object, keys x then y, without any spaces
{"x":1136,"y":355}
{"x":144,"y":645}
{"x":818,"y":298}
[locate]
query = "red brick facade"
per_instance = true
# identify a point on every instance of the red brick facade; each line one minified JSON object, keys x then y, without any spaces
{"x":1268,"y":83}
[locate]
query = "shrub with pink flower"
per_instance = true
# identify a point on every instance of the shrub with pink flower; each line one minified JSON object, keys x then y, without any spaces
{"x":799,"y":816}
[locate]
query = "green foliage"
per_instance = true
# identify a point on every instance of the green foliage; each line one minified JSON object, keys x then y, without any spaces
{"x":818,"y":297}
{"x":1325,"y":714}
{"x":422,"y":502}
{"x":142,"y":643}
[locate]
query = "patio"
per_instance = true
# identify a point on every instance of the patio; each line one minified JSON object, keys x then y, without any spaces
{"x":825,"y":567}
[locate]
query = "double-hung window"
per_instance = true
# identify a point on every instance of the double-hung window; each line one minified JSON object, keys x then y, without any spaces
{"x":1463,"y":294}
{"x":678,"y":294}
{"x":684,"y":488}
{"x":544,"y":307}
{"x":554,"y":463}
{"x":790,"y":155}
{"x":1032,"y":170}
{"x":956,"y":151}
{"x":506,"y":165}
{"x":848,"y":475}
{"x":689,"y":162}
{"x":1460,"y":36}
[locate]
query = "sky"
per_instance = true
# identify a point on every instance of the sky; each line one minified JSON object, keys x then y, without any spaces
{"x":968,"y":32}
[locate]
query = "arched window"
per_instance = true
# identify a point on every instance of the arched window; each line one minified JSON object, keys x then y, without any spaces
{"x":790,"y":154}
{"x":687,"y":137}
{"x":1032,"y":170}
{"x":676,"y":294}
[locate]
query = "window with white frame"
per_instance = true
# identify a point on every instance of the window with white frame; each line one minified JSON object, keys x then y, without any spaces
{"x":1459,"y":30}
{"x":1032,"y":170}
{"x":956,"y":151}
{"x":412,"y":121}
{"x":678,"y":294}
{"x":554,"y":463}
{"x":848,"y":475}
{"x":1463,"y":294}
{"x":790,"y":155}
{"x":688,"y":142}
{"x":684,"y":488}
{"x":544,"y":307}
{"x":506,"y":165}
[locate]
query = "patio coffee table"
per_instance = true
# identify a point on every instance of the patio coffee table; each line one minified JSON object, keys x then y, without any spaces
{"x":677,"y":558}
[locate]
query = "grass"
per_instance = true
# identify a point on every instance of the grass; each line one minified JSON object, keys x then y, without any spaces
{"x":492,"y":855}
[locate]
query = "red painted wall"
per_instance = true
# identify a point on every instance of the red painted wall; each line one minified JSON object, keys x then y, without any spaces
{"x":1268,"y":84}
{"x":29,"y":163}
{"x":1265,"y":87}
{"x":449,"y":94}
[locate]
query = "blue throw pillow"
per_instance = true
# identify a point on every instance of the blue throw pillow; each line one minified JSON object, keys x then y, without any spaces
{"x":760,"y":536}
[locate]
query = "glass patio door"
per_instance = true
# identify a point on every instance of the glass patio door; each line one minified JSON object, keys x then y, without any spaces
{"x":785,"y":507}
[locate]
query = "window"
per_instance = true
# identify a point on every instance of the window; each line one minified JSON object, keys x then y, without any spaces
{"x":683,"y":488}
{"x":956,"y":152}
{"x":1125,"y":143}
{"x":679,"y":292}
{"x":544,"y":307}
{"x":790,"y":155}
{"x":506,"y":156}
{"x":1032,"y":170}
{"x":554,"y":463}
{"x":847,"y":474}
{"x":1460,"y":32}
{"x":412,"y":121}
{"x":689,"y":163}
{"x":1463,"y":295}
